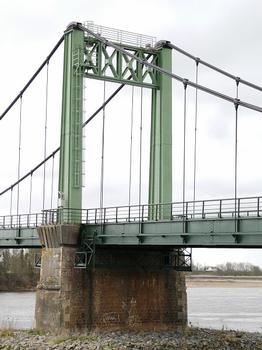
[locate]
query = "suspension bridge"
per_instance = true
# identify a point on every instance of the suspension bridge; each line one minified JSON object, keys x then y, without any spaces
{"x":160,"y":233}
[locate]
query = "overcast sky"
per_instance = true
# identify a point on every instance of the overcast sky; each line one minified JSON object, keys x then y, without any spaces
{"x":224,"y":33}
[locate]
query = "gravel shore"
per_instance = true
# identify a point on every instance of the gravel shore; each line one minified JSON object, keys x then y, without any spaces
{"x":191,"y":339}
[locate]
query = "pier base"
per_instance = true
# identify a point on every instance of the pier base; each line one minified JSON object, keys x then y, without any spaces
{"x":126,"y":289}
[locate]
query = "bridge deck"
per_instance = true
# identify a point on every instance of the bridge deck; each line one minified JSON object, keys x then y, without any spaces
{"x":212,"y":223}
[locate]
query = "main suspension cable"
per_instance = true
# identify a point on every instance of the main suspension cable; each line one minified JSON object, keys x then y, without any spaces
{"x":32,"y":78}
{"x":58,"y":148}
{"x":170,"y":74}
{"x":219,"y":70}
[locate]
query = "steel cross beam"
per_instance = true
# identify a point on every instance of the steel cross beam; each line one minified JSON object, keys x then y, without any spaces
{"x":105,"y":63}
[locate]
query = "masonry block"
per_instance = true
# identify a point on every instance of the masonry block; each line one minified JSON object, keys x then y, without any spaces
{"x":125,"y":289}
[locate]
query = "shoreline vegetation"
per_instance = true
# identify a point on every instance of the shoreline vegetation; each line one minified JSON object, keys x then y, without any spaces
{"x":190,"y":339}
{"x":18,"y":273}
{"x":216,"y":281}
{"x":192,"y":281}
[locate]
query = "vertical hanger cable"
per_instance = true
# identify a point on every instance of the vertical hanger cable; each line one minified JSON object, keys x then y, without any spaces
{"x":102,"y":155}
{"x":30,"y":193}
{"x":236,"y":103}
{"x":11,"y":201}
{"x":195,"y":142}
{"x":184,"y":150}
{"x":140,"y":156}
{"x":45,"y":133}
{"x":52,"y":182}
{"x":131,"y":147}
{"x":19,"y":153}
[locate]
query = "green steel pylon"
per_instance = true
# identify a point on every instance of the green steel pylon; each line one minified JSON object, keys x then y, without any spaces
{"x":70,"y":170}
{"x":70,"y":167}
{"x":160,"y":171}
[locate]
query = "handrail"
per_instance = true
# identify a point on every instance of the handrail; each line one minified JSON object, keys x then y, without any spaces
{"x":198,"y":210}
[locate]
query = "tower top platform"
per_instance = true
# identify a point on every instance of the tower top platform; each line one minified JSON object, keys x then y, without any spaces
{"x":121,"y":36}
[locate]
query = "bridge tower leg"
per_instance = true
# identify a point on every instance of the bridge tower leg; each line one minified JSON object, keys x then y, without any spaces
{"x":70,"y":166}
{"x":160,"y":171}
{"x":60,"y":293}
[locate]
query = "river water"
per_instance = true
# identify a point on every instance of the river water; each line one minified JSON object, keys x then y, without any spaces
{"x":228,"y":308}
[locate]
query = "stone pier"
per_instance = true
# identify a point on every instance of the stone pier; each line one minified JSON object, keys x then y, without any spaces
{"x":126,"y":289}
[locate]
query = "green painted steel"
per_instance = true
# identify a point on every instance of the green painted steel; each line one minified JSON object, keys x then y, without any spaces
{"x":216,"y":232}
{"x":19,"y":238}
{"x":70,"y":167}
{"x":87,"y":57}
{"x":160,"y":171}
{"x":104,"y":63}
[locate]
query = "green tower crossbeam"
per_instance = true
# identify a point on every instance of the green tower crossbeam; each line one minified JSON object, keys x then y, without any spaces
{"x":70,"y":167}
{"x":104,"y":63}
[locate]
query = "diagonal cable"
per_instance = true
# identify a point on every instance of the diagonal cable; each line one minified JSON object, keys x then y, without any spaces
{"x":32,"y":78}
{"x":57,"y":149}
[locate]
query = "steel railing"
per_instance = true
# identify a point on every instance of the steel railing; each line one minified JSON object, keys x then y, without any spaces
{"x":121,"y":36}
{"x":177,"y":211}
{"x":21,"y":221}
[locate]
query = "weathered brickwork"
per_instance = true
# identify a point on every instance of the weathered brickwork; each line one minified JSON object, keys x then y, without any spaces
{"x":61,"y":293}
{"x":129,"y":289}
{"x":135,"y":291}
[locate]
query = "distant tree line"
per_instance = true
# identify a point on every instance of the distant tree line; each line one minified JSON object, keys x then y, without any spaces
{"x":17,"y":271}
{"x":229,"y":269}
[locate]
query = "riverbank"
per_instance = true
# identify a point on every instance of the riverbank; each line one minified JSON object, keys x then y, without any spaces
{"x":194,"y":281}
{"x":203,"y":281}
{"x":191,"y":339}
{"x":18,"y":290}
